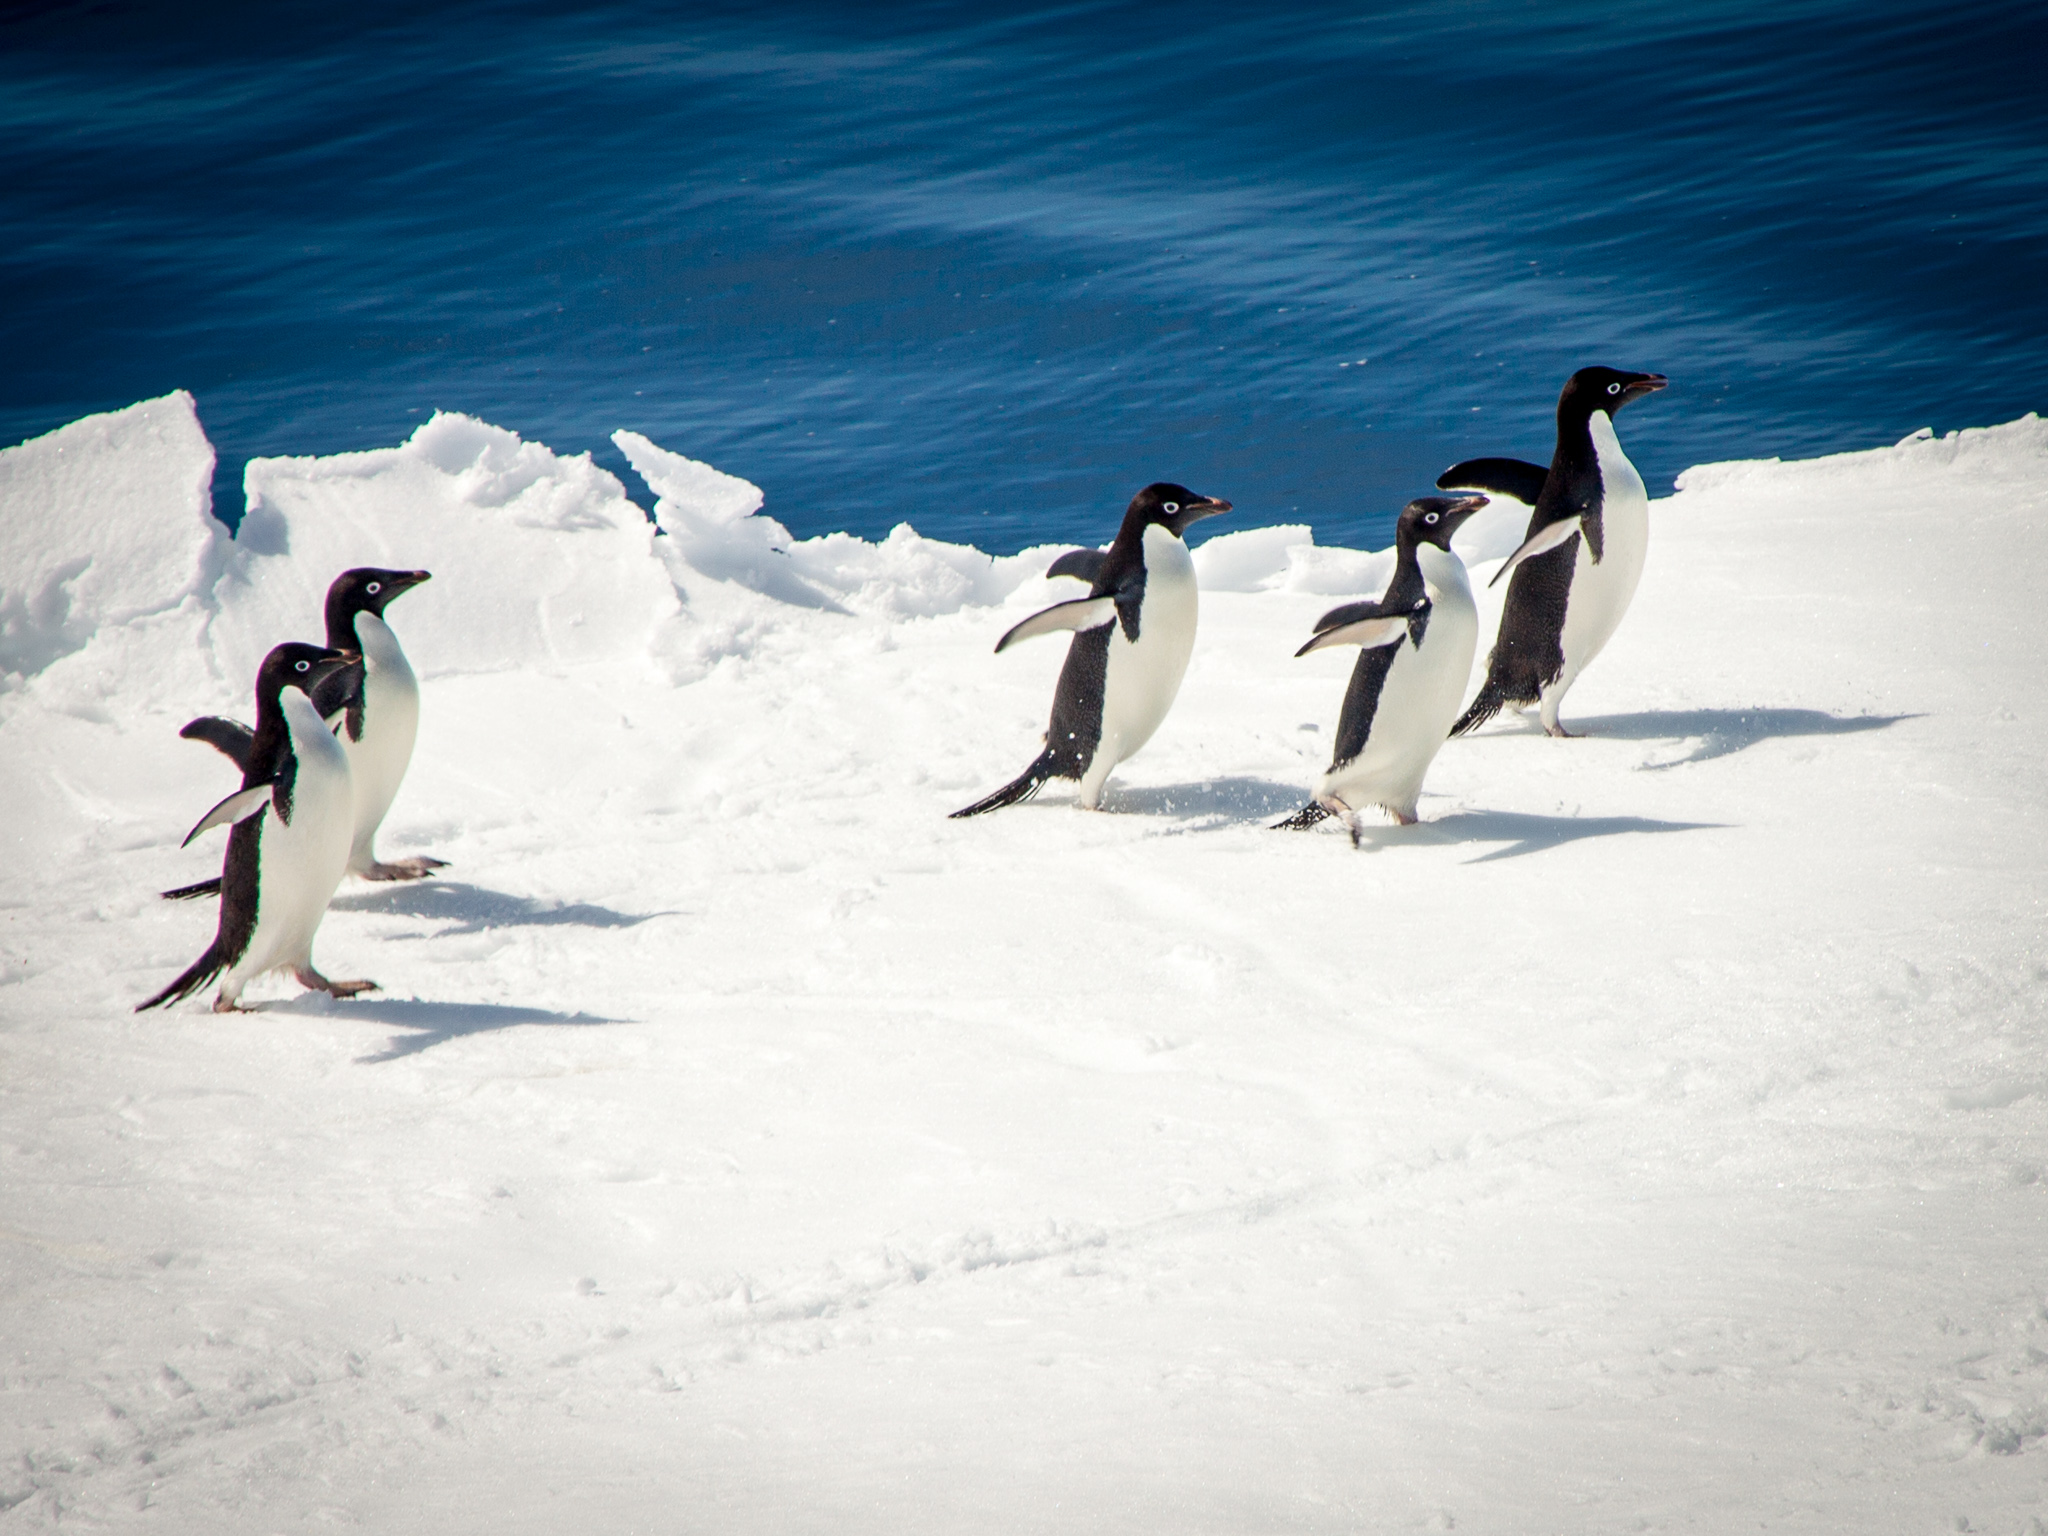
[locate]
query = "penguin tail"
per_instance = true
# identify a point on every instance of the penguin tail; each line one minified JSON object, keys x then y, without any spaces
{"x":1484,"y":706}
{"x":197,"y":975}
{"x":1016,"y":792}
{"x":1302,"y":819}
{"x":187,"y":892}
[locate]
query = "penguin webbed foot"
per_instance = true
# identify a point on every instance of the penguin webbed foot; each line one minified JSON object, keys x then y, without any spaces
{"x":313,"y":981}
{"x":1556,"y":729}
{"x":403,"y":869}
{"x":225,"y":1004}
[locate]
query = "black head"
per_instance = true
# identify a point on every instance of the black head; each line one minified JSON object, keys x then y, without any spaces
{"x":1433,"y":519}
{"x":297,"y":665}
{"x":1606,"y":389}
{"x":1171,"y":506}
{"x":364,"y":590}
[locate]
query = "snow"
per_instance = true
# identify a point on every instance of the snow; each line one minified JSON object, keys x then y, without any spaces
{"x":1651,"y":1139}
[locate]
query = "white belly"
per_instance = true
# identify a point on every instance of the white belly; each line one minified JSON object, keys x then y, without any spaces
{"x":1144,"y":676}
{"x":300,"y":862}
{"x":1601,"y":593}
{"x":1419,"y":700}
{"x":391,"y":720}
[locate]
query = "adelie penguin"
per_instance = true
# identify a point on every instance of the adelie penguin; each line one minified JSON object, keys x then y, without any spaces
{"x":1418,"y":638}
{"x":291,"y":826}
{"x":1133,"y":634}
{"x":1577,"y":568}
{"x":379,"y":707}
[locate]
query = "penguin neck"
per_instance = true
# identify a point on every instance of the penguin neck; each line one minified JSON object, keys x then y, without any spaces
{"x":1406,"y":584}
{"x":1132,"y":534}
{"x":272,"y":742}
{"x":341,"y":625}
{"x":1574,"y":479}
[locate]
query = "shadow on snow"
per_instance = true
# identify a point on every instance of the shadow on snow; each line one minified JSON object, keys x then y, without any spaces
{"x":472,"y":909}
{"x":1236,"y":798}
{"x":1721,"y":732}
{"x":1525,"y":833}
{"x":433,"y":1023}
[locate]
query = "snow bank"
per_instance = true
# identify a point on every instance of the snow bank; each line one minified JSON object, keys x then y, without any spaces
{"x":539,"y":560}
{"x":713,"y":519}
{"x":102,"y":522}
{"x":2009,"y":452}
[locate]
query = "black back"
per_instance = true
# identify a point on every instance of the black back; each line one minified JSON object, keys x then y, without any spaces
{"x":269,"y":760}
{"x":1119,"y":573}
{"x":1428,"y":519}
{"x":1529,"y":651}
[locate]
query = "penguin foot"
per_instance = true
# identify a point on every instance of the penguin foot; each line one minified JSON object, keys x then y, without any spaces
{"x":403,"y":869}
{"x":313,"y":981}
{"x":1405,"y":818}
{"x":225,"y":1004}
{"x":1553,"y":728}
{"x":1302,"y":819}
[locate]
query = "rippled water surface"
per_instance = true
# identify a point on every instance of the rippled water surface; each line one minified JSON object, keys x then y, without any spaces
{"x":989,"y":270}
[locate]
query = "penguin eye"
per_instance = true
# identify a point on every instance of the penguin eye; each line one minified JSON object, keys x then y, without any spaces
{"x":303,"y":666}
{"x":1612,"y":389}
{"x":1431,"y":518}
{"x":374,"y":588}
{"x":1172,"y":507}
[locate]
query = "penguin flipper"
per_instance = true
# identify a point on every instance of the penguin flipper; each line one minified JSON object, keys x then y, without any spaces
{"x":1508,"y":477}
{"x":1541,"y":542}
{"x":230,"y":737}
{"x":188,"y":892}
{"x":1370,"y":629}
{"x":1081,"y":613}
{"x":239,"y":806}
{"x":338,"y":691}
{"x":1016,"y":792}
{"x":1081,"y":564}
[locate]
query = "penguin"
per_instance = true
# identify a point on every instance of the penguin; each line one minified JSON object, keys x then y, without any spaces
{"x":1133,"y":634}
{"x":1578,"y":566}
{"x":1418,"y":638}
{"x":379,"y":707}
{"x":292,"y":824}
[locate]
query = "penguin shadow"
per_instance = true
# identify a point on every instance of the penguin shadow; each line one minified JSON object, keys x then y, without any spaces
{"x":432,"y":1023}
{"x":472,"y":909}
{"x":1224,"y":801}
{"x":1724,"y":732}
{"x":1522,"y":832}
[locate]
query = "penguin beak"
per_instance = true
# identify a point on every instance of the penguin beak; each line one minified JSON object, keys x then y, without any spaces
{"x":409,"y":580}
{"x":1648,"y":384}
{"x":1208,"y":506}
{"x":1455,"y":517}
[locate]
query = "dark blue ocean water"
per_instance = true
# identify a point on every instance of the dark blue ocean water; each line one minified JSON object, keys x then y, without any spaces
{"x":989,"y":269}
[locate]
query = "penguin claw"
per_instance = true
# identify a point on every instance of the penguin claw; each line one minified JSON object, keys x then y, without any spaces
{"x":403,"y":869}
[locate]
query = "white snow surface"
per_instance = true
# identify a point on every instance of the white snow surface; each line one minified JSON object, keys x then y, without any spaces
{"x":1653,"y":1139}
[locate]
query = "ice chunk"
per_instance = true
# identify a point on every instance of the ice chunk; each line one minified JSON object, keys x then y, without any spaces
{"x":102,"y":522}
{"x":715,"y":529}
{"x":1249,"y":559}
{"x":539,"y":559}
